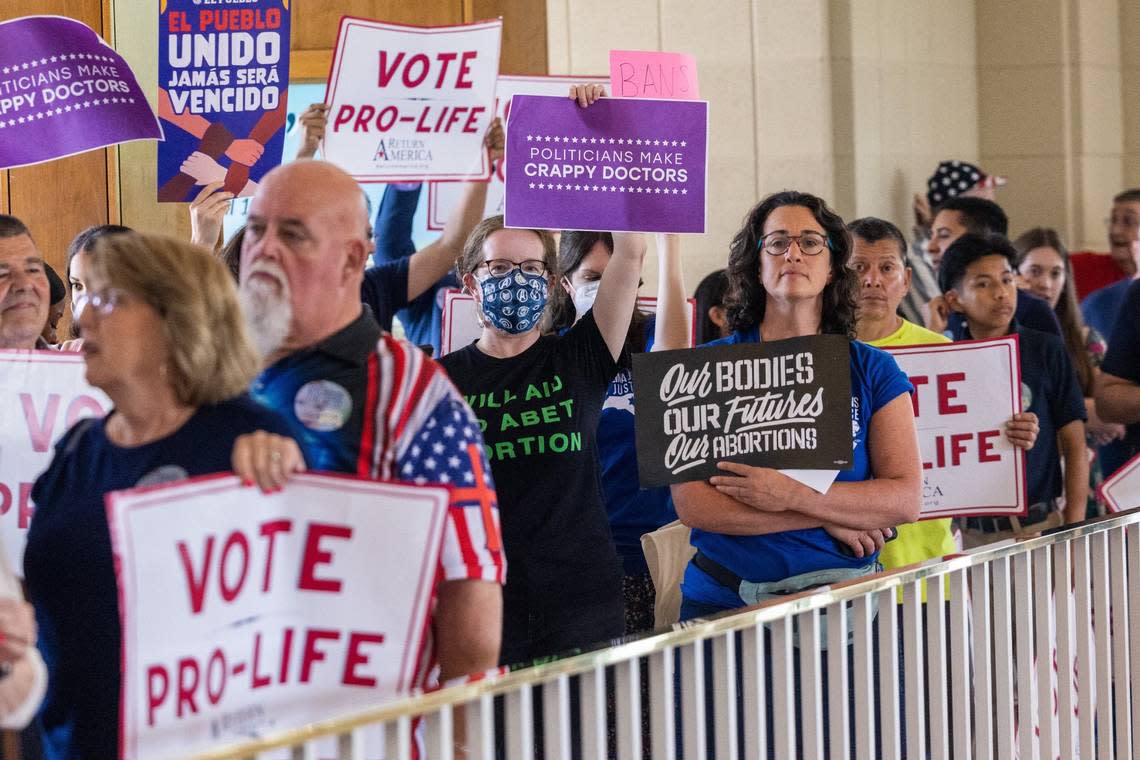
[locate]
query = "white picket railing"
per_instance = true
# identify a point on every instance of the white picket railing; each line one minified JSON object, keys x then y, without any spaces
{"x":1042,"y":633}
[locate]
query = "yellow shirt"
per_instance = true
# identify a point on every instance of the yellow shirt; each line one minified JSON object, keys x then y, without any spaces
{"x":926,"y":539}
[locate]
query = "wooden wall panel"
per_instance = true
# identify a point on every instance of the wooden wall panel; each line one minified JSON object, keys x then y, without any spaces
{"x":59,"y":198}
{"x":315,"y":22}
{"x":524,"y":33}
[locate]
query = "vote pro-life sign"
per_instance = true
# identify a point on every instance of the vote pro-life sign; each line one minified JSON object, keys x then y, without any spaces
{"x":964,"y":393}
{"x":42,"y":394}
{"x":246,"y":613}
{"x":783,"y":404}
{"x":411,"y":103}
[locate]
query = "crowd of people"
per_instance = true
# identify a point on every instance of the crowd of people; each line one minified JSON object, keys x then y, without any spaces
{"x":279,"y":358}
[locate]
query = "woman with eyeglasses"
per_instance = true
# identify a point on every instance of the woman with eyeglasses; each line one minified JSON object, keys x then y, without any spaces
{"x":788,"y":277}
{"x":538,"y":399}
{"x":164,"y":338}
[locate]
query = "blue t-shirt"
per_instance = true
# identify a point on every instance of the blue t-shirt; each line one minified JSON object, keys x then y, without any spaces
{"x":385,"y":290}
{"x":632,"y":510}
{"x":1030,"y":311}
{"x":1101,"y":307}
{"x":70,"y":571}
{"x":1050,"y":389}
{"x":876,"y":380}
{"x":1123,"y":357}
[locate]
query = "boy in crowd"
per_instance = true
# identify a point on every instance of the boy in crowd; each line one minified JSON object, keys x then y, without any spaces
{"x":976,"y":277}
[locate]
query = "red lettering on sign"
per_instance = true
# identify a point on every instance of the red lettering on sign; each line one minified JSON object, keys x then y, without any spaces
{"x":269,"y":532}
{"x":355,"y":658}
{"x":238,"y":539}
{"x":315,"y":555}
{"x":310,"y":654}
{"x":946,"y":394}
{"x":39,"y":429}
{"x":986,"y":447}
{"x":196,"y":583}
{"x":187,"y":685}
{"x":156,"y":690}
{"x":258,"y":680}
{"x":917,"y":381}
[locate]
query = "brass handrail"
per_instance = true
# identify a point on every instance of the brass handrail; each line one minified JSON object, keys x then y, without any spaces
{"x":680,"y":634}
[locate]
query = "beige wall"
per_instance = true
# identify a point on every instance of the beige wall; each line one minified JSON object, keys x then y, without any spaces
{"x":843,"y":98}
{"x":859,"y":100}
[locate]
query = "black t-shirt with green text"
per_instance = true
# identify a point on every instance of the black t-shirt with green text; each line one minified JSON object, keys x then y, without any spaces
{"x":539,"y":414}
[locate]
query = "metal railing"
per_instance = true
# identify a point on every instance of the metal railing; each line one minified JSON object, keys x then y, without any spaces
{"x":1042,"y":633}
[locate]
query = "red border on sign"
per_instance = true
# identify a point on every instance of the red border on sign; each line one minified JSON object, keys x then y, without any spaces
{"x":1105,"y":489}
{"x":334,"y":78}
{"x":1012,"y":345}
{"x":165,"y":492}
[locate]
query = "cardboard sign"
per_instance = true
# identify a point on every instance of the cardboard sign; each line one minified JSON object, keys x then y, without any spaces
{"x":411,"y":103}
{"x":443,"y":197}
{"x":63,"y":91}
{"x":223,"y":77}
{"x":245,"y":613}
{"x":42,"y":394}
{"x":781,"y":404}
{"x":964,"y":394}
{"x":460,"y":325}
{"x":1121,"y":489}
{"x":619,"y":165}
{"x":650,"y":74}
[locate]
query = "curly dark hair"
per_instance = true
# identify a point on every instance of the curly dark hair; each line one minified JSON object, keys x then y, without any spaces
{"x":747,"y":299}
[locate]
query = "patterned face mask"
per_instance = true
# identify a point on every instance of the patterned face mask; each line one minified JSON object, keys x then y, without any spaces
{"x":514,"y":303}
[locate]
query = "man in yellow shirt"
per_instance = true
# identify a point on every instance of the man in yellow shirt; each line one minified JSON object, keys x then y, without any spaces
{"x":878,"y":256}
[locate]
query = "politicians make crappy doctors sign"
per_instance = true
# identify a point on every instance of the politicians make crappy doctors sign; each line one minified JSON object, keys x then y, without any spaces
{"x":246,"y":613}
{"x":63,"y":91}
{"x":964,"y":393}
{"x":223,"y":75}
{"x":411,"y":103}
{"x":42,"y":394}
{"x":623,"y":165}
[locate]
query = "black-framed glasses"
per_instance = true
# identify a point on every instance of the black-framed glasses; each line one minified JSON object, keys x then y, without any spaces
{"x":102,"y":302}
{"x":778,"y":243}
{"x":503,"y":267}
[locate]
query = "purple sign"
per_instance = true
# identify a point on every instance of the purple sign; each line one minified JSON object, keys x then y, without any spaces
{"x":620,"y":165}
{"x":64,"y":91}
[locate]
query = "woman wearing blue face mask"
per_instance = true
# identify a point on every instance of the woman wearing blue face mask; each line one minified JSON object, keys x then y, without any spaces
{"x":538,"y":399}
{"x":582,"y":260}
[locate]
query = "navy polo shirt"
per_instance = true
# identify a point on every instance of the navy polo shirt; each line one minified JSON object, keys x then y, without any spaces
{"x":321,"y":391}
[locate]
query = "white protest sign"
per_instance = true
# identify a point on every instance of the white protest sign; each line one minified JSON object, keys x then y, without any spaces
{"x":443,"y":197}
{"x":245,"y":613}
{"x":411,"y":103}
{"x":1121,"y":489}
{"x":42,"y":394}
{"x":459,"y":325}
{"x":964,"y":394}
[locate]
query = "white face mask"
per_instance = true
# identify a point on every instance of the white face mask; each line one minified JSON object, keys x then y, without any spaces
{"x":584,"y":297}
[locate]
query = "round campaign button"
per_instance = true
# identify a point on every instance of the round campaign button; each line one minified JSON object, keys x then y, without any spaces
{"x":322,"y":405}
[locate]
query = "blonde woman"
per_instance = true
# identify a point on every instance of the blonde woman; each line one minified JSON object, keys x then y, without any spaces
{"x":165,"y":340}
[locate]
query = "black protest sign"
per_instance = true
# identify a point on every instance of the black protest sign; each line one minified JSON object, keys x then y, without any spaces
{"x":784,"y":404}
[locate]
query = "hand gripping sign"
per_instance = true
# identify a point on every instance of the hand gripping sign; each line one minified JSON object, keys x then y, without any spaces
{"x":443,"y":197}
{"x":964,"y":393}
{"x":42,"y":394}
{"x":411,"y":103}
{"x":245,"y":613}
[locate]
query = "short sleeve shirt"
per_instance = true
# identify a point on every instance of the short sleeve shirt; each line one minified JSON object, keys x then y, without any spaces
{"x":69,"y":567}
{"x":876,"y":380}
{"x":539,"y":414}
